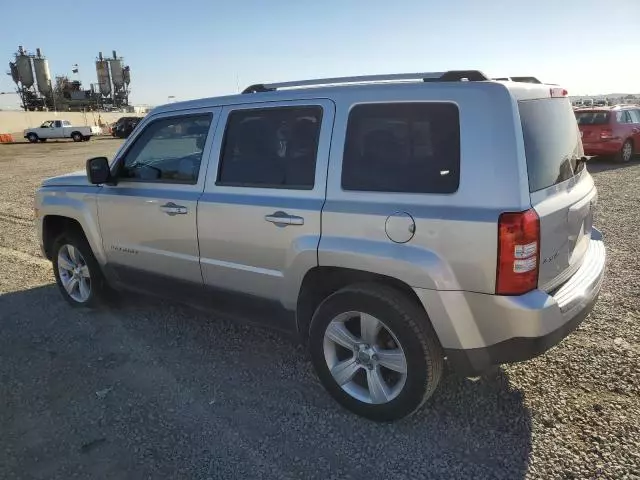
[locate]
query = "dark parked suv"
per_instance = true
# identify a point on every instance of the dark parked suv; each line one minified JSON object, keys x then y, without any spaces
{"x":124,"y":126}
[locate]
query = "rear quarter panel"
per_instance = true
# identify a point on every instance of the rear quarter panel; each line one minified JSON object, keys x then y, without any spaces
{"x":455,"y":242}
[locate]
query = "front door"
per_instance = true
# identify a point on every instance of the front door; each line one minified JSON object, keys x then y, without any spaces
{"x":259,"y":218}
{"x":148,"y":220}
{"x":54,"y":130}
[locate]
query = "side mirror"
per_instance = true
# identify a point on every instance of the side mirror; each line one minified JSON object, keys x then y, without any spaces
{"x":98,"y":170}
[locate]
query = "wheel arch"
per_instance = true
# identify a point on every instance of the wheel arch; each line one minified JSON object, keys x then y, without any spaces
{"x":321,"y":281}
{"x":53,"y":226}
{"x":60,"y":212}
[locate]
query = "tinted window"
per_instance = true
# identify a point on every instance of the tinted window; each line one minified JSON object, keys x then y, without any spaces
{"x":271,"y":147}
{"x":168,"y":150}
{"x":635,"y":116}
{"x":622,"y":116}
{"x":592,"y":118}
{"x":551,"y":140}
{"x":402,"y":147}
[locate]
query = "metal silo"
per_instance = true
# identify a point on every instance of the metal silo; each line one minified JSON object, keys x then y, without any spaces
{"x":117,"y":71}
{"x":23,"y":65}
{"x":43,"y":75}
{"x":104,"y":79}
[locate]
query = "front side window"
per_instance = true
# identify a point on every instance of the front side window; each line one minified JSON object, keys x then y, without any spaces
{"x":168,"y":150}
{"x":58,"y":124}
{"x":271,"y":148}
{"x":402,"y":147}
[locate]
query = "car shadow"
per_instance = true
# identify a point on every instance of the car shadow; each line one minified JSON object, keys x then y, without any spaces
{"x":603,"y":164}
{"x":154,"y":389}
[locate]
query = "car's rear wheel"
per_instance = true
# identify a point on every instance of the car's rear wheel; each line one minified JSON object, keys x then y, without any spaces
{"x":32,"y":137}
{"x":626,"y":152}
{"x":76,"y":136}
{"x":375,"y":351}
{"x":77,"y":271}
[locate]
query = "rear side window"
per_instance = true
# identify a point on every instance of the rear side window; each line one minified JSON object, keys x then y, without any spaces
{"x":551,"y":141}
{"x":592,"y":118}
{"x":402,"y":147}
{"x":635,"y":116}
{"x":271,"y":148}
{"x":622,"y":116}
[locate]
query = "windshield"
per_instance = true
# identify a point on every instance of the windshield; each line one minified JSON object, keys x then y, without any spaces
{"x":551,"y":140}
{"x":592,"y":118}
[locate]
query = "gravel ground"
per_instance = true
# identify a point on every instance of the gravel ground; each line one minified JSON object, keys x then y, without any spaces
{"x":156,"y":390}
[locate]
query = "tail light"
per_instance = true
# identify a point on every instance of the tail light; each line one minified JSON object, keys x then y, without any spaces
{"x":518,"y":252}
{"x":558,"y":92}
{"x":606,"y":134}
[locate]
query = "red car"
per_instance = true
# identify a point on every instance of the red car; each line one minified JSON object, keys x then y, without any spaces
{"x":611,"y":131}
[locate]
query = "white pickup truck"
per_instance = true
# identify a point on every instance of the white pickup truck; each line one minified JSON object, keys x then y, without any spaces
{"x":60,"y":129}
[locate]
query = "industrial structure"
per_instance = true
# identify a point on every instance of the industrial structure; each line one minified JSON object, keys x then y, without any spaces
{"x":32,"y":77}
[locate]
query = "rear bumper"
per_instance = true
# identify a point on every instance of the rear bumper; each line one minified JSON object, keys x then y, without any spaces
{"x":478,"y":331}
{"x":602,"y":148}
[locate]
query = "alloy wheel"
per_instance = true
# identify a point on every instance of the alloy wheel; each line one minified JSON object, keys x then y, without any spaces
{"x":365,"y":358}
{"x":627,"y":151}
{"x":74,"y":273}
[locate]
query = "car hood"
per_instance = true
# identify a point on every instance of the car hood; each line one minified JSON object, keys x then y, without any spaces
{"x":72,"y":179}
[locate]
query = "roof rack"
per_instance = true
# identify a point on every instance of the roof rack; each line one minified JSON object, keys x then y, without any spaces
{"x":519,"y":79}
{"x":450,"y":76}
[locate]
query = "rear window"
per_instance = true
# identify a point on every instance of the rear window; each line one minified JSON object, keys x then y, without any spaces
{"x":402,"y":147}
{"x":551,"y":141}
{"x":592,"y":118}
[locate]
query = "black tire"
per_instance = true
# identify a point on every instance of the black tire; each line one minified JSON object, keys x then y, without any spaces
{"x":76,"y":136}
{"x":100,"y":293}
{"x":406,"y":319}
{"x":32,"y":137}
{"x":42,"y":140}
{"x":626,"y":152}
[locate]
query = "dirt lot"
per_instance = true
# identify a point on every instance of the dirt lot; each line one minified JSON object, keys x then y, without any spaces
{"x":156,"y":390}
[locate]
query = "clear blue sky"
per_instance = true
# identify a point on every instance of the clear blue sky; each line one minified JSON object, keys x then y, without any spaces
{"x":198,"y":48}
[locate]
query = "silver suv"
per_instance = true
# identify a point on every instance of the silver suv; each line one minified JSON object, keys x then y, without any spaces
{"x":392,"y":221}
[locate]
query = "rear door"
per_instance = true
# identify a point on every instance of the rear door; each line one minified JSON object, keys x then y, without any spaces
{"x":625,"y":129}
{"x":635,"y":119}
{"x":259,"y":216}
{"x":562,"y":191}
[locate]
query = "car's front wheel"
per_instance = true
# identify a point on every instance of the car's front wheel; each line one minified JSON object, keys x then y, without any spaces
{"x":375,"y":351}
{"x":77,"y":271}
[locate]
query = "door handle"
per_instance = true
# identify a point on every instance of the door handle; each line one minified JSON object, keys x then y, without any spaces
{"x":173,"y":209}
{"x":283,"y":219}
